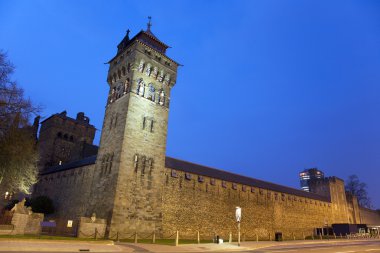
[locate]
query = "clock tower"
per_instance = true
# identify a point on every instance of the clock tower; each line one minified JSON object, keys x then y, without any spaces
{"x":129,"y":170}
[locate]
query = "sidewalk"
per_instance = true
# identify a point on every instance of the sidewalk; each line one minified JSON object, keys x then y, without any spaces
{"x":110,"y":246}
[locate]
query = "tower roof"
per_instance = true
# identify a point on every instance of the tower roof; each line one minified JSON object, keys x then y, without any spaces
{"x":146,"y":37}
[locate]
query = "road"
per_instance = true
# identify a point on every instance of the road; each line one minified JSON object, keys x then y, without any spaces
{"x":356,"y":247}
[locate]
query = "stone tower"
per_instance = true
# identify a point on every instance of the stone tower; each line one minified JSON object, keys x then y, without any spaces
{"x":127,"y":184}
{"x":63,"y":139}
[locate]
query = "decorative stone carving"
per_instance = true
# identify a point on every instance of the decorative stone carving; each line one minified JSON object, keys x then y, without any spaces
{"x":166,"y":79}
{"x":155,"y":72}
{"x":141,"y":66}
{"x":113,"y":95}
{"x":151,"y":92}
{"x":21,"y":208}
{"x":148,"y":70}
{"x":162,"y":98}
{"x":161,"y":76}
{"x":93,"y":217}
{"x":141,"y":88}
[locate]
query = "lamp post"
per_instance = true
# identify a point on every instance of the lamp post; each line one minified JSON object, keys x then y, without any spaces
{"x":238,"y":219}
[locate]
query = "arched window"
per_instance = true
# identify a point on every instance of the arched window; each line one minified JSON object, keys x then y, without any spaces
{"x":126,"y":86}
{"x":114,"y":77}
{"x":118,"y":74}
{"x":59,"y":135}
{"x":128,"y":67}
{"x":143,"y":164}
{"x":123,"y":71}
{"x":65,"y":137}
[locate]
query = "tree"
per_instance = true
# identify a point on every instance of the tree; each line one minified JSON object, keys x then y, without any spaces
{"x":359,"y":189}
{"x":18,"y":153}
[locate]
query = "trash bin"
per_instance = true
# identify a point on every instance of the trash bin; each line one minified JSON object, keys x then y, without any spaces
{"x":278,"y":236}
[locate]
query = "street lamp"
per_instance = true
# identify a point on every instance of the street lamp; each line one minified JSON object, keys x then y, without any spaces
{"x":238,"y":219}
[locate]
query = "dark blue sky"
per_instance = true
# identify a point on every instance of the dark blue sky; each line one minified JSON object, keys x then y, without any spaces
{"x":267,"y":89}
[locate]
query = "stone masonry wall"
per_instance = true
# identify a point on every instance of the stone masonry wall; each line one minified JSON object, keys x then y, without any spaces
{"x":68,"y":189}
{"x":369,"y":216}
{"x":189,"y":205}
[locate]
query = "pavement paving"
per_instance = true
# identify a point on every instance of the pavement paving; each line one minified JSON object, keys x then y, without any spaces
{"x":40,"y":245}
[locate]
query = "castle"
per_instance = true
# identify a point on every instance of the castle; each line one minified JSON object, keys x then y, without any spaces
{"x":130,"y":182}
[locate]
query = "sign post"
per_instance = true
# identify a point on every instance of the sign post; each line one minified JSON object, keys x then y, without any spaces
{"x":238,"y":219}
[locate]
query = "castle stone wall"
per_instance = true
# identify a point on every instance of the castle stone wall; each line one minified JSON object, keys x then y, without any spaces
{"x":69,"y":190}
{"x":189,"y":205}
{"x":369,"y":216}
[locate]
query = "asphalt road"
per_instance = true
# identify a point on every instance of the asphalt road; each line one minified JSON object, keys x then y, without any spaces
{"x":357,"y":247}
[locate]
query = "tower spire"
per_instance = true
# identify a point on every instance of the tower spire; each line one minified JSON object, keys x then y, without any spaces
{"x":149,"y":25}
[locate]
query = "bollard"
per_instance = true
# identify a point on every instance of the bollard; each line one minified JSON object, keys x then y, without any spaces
{"x":346,"y":235}
{"x":154,"y":238}
{"x":230,"y":239}
{"x":117,"y":236}
{"x":96,"y":233}
{"x":320,"y":236}
{"x":334,"y":235}
{"x":136,"y":237}
{"x":198,"y":239}
{"x":257,"y":237}
{"x":176,"y":238}
{"x":341,"y":236}
{"x":303,"y":236}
